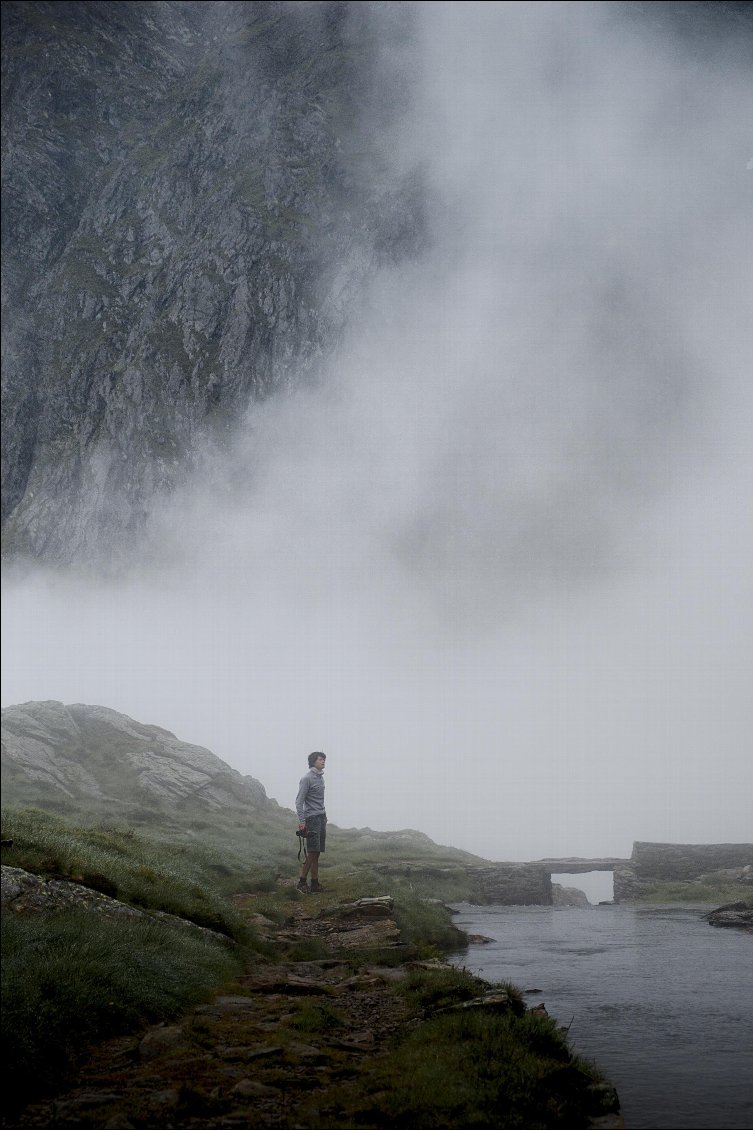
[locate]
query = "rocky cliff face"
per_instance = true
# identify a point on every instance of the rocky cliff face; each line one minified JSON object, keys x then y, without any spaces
{"x":104,"y":761}
{"x":193,"y":195}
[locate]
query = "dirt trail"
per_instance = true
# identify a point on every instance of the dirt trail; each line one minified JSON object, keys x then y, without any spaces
{"x":296,"y":1045}
{"x":287,"y":1050}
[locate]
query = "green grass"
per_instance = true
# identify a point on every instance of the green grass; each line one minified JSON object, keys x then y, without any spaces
{"x":430,"y":990}
{"x":469,"y":1068}
{"x":189,"y":882}
{"x":480,"y":1069}
{"x":698,"y":891}
{"x":426,"y":924}
{"x":74,"y":978}
{"x":77,"y":977}
{"x":314,"y":1017}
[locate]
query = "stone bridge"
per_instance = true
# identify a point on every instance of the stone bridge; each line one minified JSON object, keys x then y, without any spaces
{"x":576,"y":865}
{"x":531,"y":883}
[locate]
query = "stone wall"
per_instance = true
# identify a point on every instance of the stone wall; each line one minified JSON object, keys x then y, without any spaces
{"x":513,"y":884}
{"x":687,"y":861}
{"x":529,"y":884}
{"x":679,"y":863}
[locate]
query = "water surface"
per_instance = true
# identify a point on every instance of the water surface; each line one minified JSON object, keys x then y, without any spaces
{"x":660,"y":1000}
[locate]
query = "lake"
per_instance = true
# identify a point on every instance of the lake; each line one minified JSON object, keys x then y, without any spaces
{"x":658,"y":999}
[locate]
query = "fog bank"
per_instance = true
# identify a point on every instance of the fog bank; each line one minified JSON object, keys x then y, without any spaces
{"x":497,"y":563}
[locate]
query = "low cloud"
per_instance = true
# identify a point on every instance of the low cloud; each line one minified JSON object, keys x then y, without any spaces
{"x":494,"y":562}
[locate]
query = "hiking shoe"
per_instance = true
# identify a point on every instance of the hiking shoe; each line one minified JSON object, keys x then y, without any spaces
{"x":316,"y":888}
{"x":301,"y":886}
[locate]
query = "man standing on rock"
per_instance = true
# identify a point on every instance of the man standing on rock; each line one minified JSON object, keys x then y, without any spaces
{"x":312,"y":820}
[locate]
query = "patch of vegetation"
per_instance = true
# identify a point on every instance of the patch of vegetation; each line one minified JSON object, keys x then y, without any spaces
{"x":426,"y":924}
{"x":176,"y":879}
{"x":429,"y":990}
{"x":308,"y":949}
{"x":166,"y":337}
{"x":73,"y":978}
{"x":316,"y":1017}
{"x":713,"y":892}
{"x":482,"y":1068}
{"x":260,"y":880}
{"x":476,"y":1068}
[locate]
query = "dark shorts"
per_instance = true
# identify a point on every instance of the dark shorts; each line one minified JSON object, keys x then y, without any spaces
{"x":316,"y":833}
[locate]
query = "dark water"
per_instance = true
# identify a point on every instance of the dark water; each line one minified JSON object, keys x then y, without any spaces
{"x":658,"y":999}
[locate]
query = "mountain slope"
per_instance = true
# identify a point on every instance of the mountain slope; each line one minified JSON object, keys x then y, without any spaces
{"x":192,"y":199}
{"x":93,"y":758}
{"x":92,"y":765}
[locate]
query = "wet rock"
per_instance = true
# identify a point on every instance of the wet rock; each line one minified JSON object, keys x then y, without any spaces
{"x":118,"y":1121}
{"x":72,"y":1105}
{"x":356,"y":1041}
{"x":305,"y":985}
{"x":23,"y":892}
{"x":222,"y":1005}
{"x":252,"y":1089}
{"x":159,"y":1040}
{"x":734,"y":914}
{"x":539,"y":1010}
{"x":568,"y":896}
{"x":497,"y":1001}
{"x":160,"y":1102}
{"x":308,"y":1052}
{"x":602,"y":1098}
{"x":247,"y":1052}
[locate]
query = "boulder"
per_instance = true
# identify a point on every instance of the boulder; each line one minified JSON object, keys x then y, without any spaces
{"x":735,"y":914}
{"x":568,"y":896}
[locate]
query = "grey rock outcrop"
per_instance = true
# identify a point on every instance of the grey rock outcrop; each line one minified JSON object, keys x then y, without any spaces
{"x":192,"y":200}
{"x":22,"y":892}
{"x":96,"y":756}
{"x":737,"y":915}
{"x":568,"y":896}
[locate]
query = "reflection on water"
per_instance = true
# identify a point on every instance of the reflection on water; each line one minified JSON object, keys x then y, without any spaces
{"x":660,"y":1000}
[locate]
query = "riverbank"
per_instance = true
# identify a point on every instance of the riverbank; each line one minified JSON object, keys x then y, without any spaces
{"x":350,"y":1026}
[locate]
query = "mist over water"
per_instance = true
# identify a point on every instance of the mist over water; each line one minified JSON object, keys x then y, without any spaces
{"x":497,"y":561}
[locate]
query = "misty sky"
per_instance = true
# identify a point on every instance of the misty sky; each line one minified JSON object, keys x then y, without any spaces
{"x":497,"y":565}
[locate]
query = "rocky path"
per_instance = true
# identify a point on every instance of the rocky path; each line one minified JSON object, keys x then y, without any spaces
{"x":294,"y":1045}
{"x":287,"y":1049}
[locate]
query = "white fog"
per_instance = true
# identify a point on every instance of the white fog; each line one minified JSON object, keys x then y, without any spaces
{"x":497,"y":562}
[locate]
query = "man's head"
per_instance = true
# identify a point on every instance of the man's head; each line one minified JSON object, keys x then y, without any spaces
{"x":316,"y":760}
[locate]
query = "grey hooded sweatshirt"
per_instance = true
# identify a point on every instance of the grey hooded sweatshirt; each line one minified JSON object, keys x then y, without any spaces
{"x":310,"y":799}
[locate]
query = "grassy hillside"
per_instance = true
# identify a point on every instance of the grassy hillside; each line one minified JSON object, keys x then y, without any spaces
{"x":76,"y":978}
